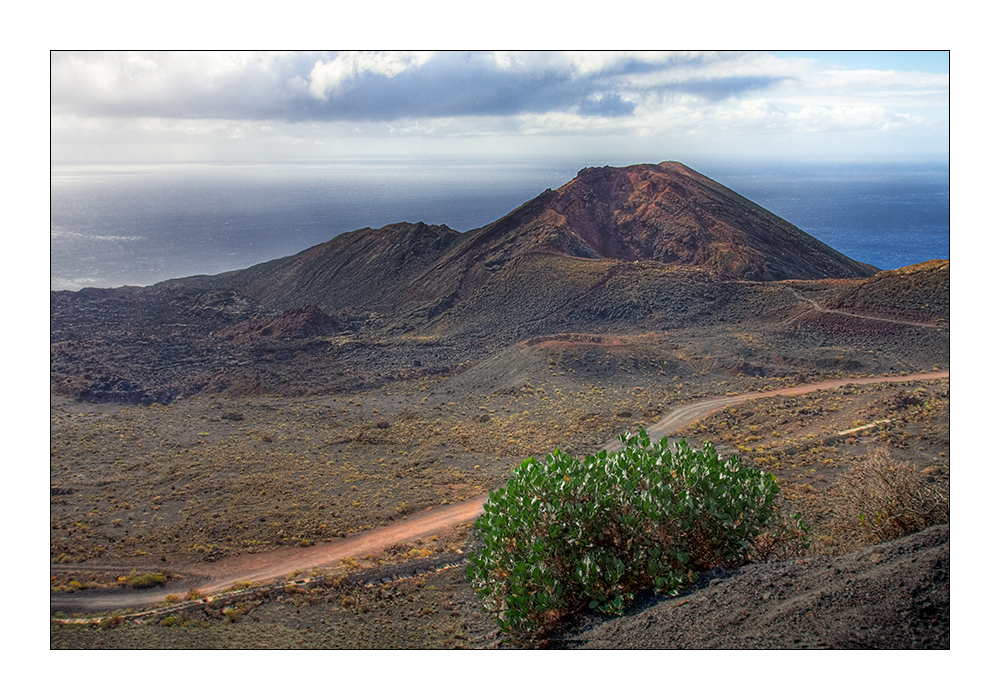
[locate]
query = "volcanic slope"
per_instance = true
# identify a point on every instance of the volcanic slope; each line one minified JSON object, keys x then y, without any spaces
{"x":665,"y":213}
{"x":644,"y":248}
{"x":918,"y":292}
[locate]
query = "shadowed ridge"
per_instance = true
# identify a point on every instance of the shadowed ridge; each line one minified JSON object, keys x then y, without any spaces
{"x":366,"y":269}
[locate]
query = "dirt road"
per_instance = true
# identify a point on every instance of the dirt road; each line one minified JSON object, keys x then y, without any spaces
{"x":685,"y":415}
{"x":212,"y":577}
{"x":822,"y":309}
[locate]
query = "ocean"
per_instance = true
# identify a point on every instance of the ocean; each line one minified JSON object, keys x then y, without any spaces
{"x":138,"y":224}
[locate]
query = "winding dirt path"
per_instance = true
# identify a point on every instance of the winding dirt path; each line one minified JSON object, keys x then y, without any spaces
{"x":685,"y":415}
{"x":212,"y":577}
{"x":822,"y":309}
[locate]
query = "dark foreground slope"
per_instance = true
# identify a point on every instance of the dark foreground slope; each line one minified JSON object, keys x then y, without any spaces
{"x":895,"y":595}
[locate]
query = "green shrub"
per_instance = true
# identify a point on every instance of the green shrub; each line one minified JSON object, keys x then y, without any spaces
{"x":147,"y":580}
{"x":564,"y":534}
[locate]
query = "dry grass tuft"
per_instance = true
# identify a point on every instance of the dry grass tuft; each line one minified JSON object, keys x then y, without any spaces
{"x":888,"y":499}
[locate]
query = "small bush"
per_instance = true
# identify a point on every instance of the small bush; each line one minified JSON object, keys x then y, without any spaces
{"x":887,"y":499}
{"x":196,"y":623}
{"x":565,"y":534}
{"x":111,"y":621}
{"x":134,"y":580}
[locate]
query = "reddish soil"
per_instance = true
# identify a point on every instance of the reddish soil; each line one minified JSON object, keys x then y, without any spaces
{"x":279,"y":562}
{"x":213,"y":577}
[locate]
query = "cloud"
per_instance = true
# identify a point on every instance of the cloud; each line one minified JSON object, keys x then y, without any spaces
{"x":852,"y":118}
{"x":606,"y":106}
{"x":866,"y":79}
{"x":330,"y":76}
{"x":178,"y":84}
{"x":365,"y":87}
{"x":188,"y":103}
{"x":383,"y":86}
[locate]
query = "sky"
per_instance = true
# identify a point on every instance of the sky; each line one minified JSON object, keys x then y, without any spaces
{"x":641,"y":105}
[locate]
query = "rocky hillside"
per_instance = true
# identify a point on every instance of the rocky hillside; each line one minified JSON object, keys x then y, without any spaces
{"x":894,"y":595}
{"x":920,"y":292}
{"x":363,"y":271}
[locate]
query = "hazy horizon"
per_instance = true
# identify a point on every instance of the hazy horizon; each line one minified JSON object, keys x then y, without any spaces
{"x":137,"y":224}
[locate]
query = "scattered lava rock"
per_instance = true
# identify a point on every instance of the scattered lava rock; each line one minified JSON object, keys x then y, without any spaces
{"x":304,"y":322}
{"x":109,"y":389}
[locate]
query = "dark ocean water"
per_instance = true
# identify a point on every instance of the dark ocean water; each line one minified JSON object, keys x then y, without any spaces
{"x":119,"y":225}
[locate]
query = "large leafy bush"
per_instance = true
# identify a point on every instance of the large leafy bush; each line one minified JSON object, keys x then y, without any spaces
{"x":564,"y":534}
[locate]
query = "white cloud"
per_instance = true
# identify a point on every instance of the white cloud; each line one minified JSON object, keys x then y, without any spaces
{"x":851,"y":118}
{"x":849,"y":80}
{"x":328,"y":76}
{"x":564,"y":123}
{"x":107,"y":101}
{"x":584,"y":63}
{"x":179,"y":84}
{"x":889,"y":89}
